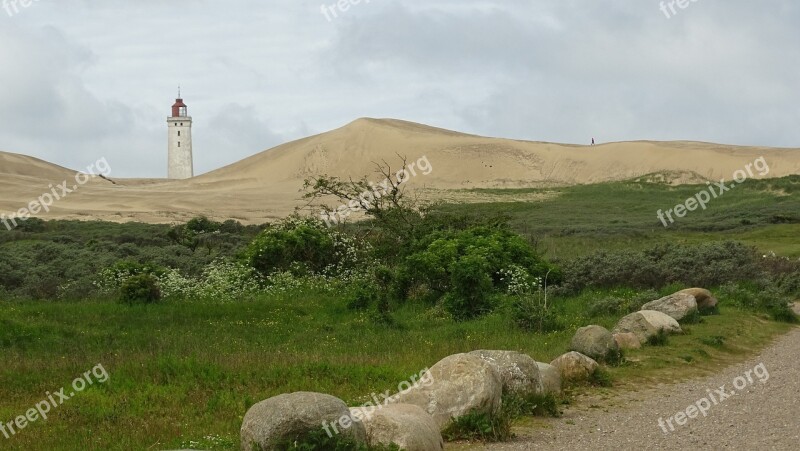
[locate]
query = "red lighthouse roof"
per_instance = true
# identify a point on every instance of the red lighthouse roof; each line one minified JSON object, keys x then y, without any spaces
{"x":179,"y":108}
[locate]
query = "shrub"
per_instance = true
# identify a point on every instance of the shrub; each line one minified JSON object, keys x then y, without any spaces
{"x":363,"y":297}
{"x":530,"y":314}
{"x":709,"y":264}
{"x":227,"y":281}
{"x":471,"y":288}
{"x":295,"y":245}
{"x":112,"y":279}
{"x":466,"y":267}
{"x":768,"y":299}
{"x":611,"y":306}
{"x":304,"y":246}
{"x":140,"y":289}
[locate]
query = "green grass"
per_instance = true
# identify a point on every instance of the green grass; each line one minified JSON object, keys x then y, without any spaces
{"x":184,"y":373}
{"x":622,"y":215}
{"x":180,"y":372}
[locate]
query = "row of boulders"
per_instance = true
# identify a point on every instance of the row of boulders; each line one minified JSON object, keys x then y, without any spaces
{"x":635,"y":329}
{"x":460,"y":384}
{"x":632,"y":331}
{"x":412,"y":419}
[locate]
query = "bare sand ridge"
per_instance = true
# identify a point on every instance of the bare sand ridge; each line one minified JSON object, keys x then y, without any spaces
{"x":268,"y":185}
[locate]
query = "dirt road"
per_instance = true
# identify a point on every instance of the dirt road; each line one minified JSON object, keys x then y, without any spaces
{"x":758,"y":408}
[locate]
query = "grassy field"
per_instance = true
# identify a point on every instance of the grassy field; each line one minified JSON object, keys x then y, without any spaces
{"x":182,"y":374}
{"x":622,"y":215}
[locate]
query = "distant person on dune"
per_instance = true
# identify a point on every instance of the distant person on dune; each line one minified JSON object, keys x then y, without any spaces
{"x":592,"y":141}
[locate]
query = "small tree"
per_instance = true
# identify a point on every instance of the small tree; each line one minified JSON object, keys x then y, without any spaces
{"x":384,"y":201}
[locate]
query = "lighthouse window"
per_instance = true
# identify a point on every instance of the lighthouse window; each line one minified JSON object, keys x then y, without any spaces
{"x":179,"y":133}
{"x":179,"y":143}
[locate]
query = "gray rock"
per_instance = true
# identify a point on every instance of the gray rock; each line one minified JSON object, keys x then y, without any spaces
{"x":705,"y":300}
{"x":518,"y":372}
{"x":575,"y":366}
{"x":288,"y":416}
{"x":627,"y":340}
{"x":647,"y":323}
{"x":595,"y":342}
{"x":678,"y":305}
{"x":457,"y":385}
{"x":551,"y":378}
{"x":407,"y":426}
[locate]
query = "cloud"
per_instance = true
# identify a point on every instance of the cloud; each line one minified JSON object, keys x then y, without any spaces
{"x":257,"y":74}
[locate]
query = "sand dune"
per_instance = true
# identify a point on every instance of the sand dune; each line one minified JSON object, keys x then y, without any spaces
{"x":267,"y":185}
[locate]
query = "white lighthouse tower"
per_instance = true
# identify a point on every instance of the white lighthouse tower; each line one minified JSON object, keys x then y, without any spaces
{"x":180,"y":141}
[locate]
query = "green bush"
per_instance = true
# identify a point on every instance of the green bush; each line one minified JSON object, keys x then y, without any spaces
{"x":704,"y":265}
{"x":295,"y":245}
{"x":530,"y":314}
{"x":140,"y":289}
{"x":466,"y":267}
{"x":768,"y":299}
{"x":471,"y":288}
{"x":305,"y":246}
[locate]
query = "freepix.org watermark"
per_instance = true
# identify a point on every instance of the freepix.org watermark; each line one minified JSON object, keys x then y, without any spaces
{"x":12,"y":6}
{"x":423,"y":379}
{"x":367,"y":198}
{"x":53,"y":400}
{"x":668,"y":7}
{"x":100,"y":168}
{"x":342,"y":6}
{"x":714,"y":398}
{"x":715,"y":190}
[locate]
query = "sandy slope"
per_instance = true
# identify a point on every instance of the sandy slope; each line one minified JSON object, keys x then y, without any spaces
{"x":268,"y":184}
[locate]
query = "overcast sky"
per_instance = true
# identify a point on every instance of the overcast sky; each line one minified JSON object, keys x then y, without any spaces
{"x":81,"y":80}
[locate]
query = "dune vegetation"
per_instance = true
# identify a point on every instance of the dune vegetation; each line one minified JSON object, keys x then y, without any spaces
{"x":196,"y":322}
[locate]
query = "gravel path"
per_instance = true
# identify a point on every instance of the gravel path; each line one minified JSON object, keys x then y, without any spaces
{"x":759,"y":416}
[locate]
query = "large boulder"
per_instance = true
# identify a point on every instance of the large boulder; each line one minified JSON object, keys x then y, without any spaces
{"x":705,"y":300}
{"x":407,"y":426}
{"x":595,"y":342}
{"x":678,"y":305}
{"x":459,"y":384}
{"x":551,"y":378}
{"x":575,"y":366}
{"x":518,"y":372}
{"x":796,"y":308}
{"x":283,"y":418}
{"x":627,"y":340}
{"x":647,"y":323}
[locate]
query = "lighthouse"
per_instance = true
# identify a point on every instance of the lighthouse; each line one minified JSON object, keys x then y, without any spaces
{"x":180,"y":142}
